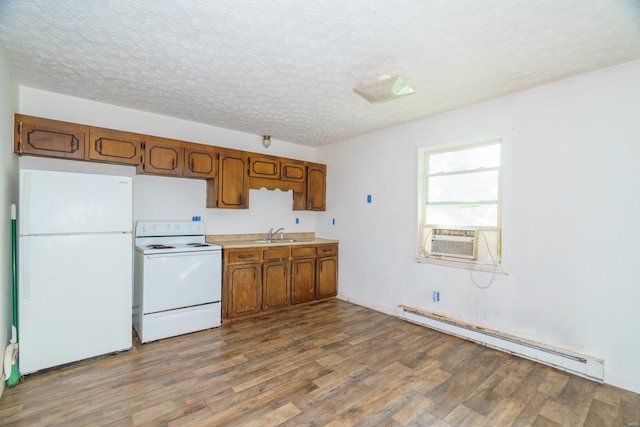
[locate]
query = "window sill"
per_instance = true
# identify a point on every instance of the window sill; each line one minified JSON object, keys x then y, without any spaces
{"x":463,"y":264}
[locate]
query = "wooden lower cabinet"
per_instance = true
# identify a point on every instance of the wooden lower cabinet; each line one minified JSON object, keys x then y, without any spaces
{"x":326,"y":277}
{"x":303,"y":280}
{"x":257,"y":280}
{"x":244,"y":290}
{"x":275,"y":285}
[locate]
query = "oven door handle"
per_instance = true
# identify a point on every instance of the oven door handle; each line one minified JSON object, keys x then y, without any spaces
{"x":179,"y":254}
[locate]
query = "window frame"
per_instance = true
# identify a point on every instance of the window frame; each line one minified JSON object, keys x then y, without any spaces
{"x":422,"y":225}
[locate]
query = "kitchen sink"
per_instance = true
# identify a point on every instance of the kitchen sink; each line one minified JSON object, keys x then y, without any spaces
{"x":267,"y":241}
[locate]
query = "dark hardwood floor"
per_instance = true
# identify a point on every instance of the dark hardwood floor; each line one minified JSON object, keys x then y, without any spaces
{"x":330,"y":363}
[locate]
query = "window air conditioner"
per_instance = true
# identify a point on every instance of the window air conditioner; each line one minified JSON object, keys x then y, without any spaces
{"x":454,"y":243}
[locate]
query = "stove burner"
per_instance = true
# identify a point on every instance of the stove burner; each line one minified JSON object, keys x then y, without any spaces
{"x":158,"y":246}
{"x":198,"y":245}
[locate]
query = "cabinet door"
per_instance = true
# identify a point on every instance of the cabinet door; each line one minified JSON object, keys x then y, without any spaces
{"x":244,"y":290}
{"x":275,"y":285}
{"x":264,"y":167}
{"x":114,"y":146}
{"x":233,"y":182}
{"x":49,"y":138}
{"x":326,"y":277}
{"x":293,"y":171}
{"x":303,"y":275}
{"x":200,"y":163}
{"x":163,"y":158}
{"x":316,"y":187}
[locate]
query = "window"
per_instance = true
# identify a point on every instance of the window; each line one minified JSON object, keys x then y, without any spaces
{"x":459,"y":204}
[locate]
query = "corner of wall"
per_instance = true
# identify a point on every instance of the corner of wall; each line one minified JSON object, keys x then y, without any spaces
{"x":9,"y":191}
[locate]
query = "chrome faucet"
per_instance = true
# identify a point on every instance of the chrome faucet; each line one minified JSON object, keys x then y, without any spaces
{"x":272,"y":233}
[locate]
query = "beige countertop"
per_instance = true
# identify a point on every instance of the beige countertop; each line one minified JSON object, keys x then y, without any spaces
{"x":228,"y":241}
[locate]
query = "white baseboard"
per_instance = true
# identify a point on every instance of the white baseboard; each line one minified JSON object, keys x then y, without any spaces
{"x":361,"y":303}
{"x":575,"y":363}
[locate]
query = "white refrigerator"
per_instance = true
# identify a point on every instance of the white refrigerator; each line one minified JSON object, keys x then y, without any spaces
{"x":75,"y":267}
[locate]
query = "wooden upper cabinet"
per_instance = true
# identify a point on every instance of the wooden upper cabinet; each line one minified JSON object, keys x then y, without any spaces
{"x":293,"y":171}
{"x":49,"y":138}
{"x":316,"y":187}
{"x":264,"y":167}
{"x":233,"y":182}
{"x":229,"y":173}
{"x":115,"y":146}
{"x":200,"y":162}
{"x":163,"y":157}
{"x":277,"y":168}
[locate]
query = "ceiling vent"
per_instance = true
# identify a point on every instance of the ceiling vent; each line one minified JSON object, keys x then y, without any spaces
{"x":385,"y":89}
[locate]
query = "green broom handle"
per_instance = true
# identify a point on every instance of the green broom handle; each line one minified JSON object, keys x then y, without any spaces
{"x":14,"y":262}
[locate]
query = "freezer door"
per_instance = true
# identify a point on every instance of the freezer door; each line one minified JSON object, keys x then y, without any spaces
{"x":75,"y":297}
{"x":63,"y":202}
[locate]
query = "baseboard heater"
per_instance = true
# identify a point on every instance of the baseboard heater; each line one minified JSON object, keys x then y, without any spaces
{"x":575,"y":363}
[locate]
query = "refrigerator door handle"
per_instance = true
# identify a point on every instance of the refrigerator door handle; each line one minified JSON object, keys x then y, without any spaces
{"x":25,"y":275}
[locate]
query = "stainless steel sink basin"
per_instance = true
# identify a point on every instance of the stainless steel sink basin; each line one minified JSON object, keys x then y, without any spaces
{"x":267,"y":241}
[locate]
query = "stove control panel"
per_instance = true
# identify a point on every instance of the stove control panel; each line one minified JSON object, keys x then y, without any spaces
{"x":169,"y":228}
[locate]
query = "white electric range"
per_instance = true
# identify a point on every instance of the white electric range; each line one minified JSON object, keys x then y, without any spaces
{"x":178,"y":279}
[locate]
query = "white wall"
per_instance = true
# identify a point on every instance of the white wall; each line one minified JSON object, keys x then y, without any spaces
{"x":161,"y":198}
{"x":571,"y":212}
{"x":8,"y":195}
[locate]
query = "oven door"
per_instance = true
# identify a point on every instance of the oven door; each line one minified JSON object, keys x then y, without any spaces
{"x":176,"y":280}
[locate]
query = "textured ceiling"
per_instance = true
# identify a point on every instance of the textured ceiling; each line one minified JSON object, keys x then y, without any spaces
{"x":287,"y":68}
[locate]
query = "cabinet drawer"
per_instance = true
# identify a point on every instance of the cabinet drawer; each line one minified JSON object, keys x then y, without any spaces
{"x":305,"y":251}
{"x":276,"y":253}
{"x":326,"y":250}
{"x":244,"y":256}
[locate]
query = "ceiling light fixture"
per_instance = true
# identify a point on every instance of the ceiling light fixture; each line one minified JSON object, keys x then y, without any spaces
{"x":385,"y":89}
{"x":266,"y":140}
